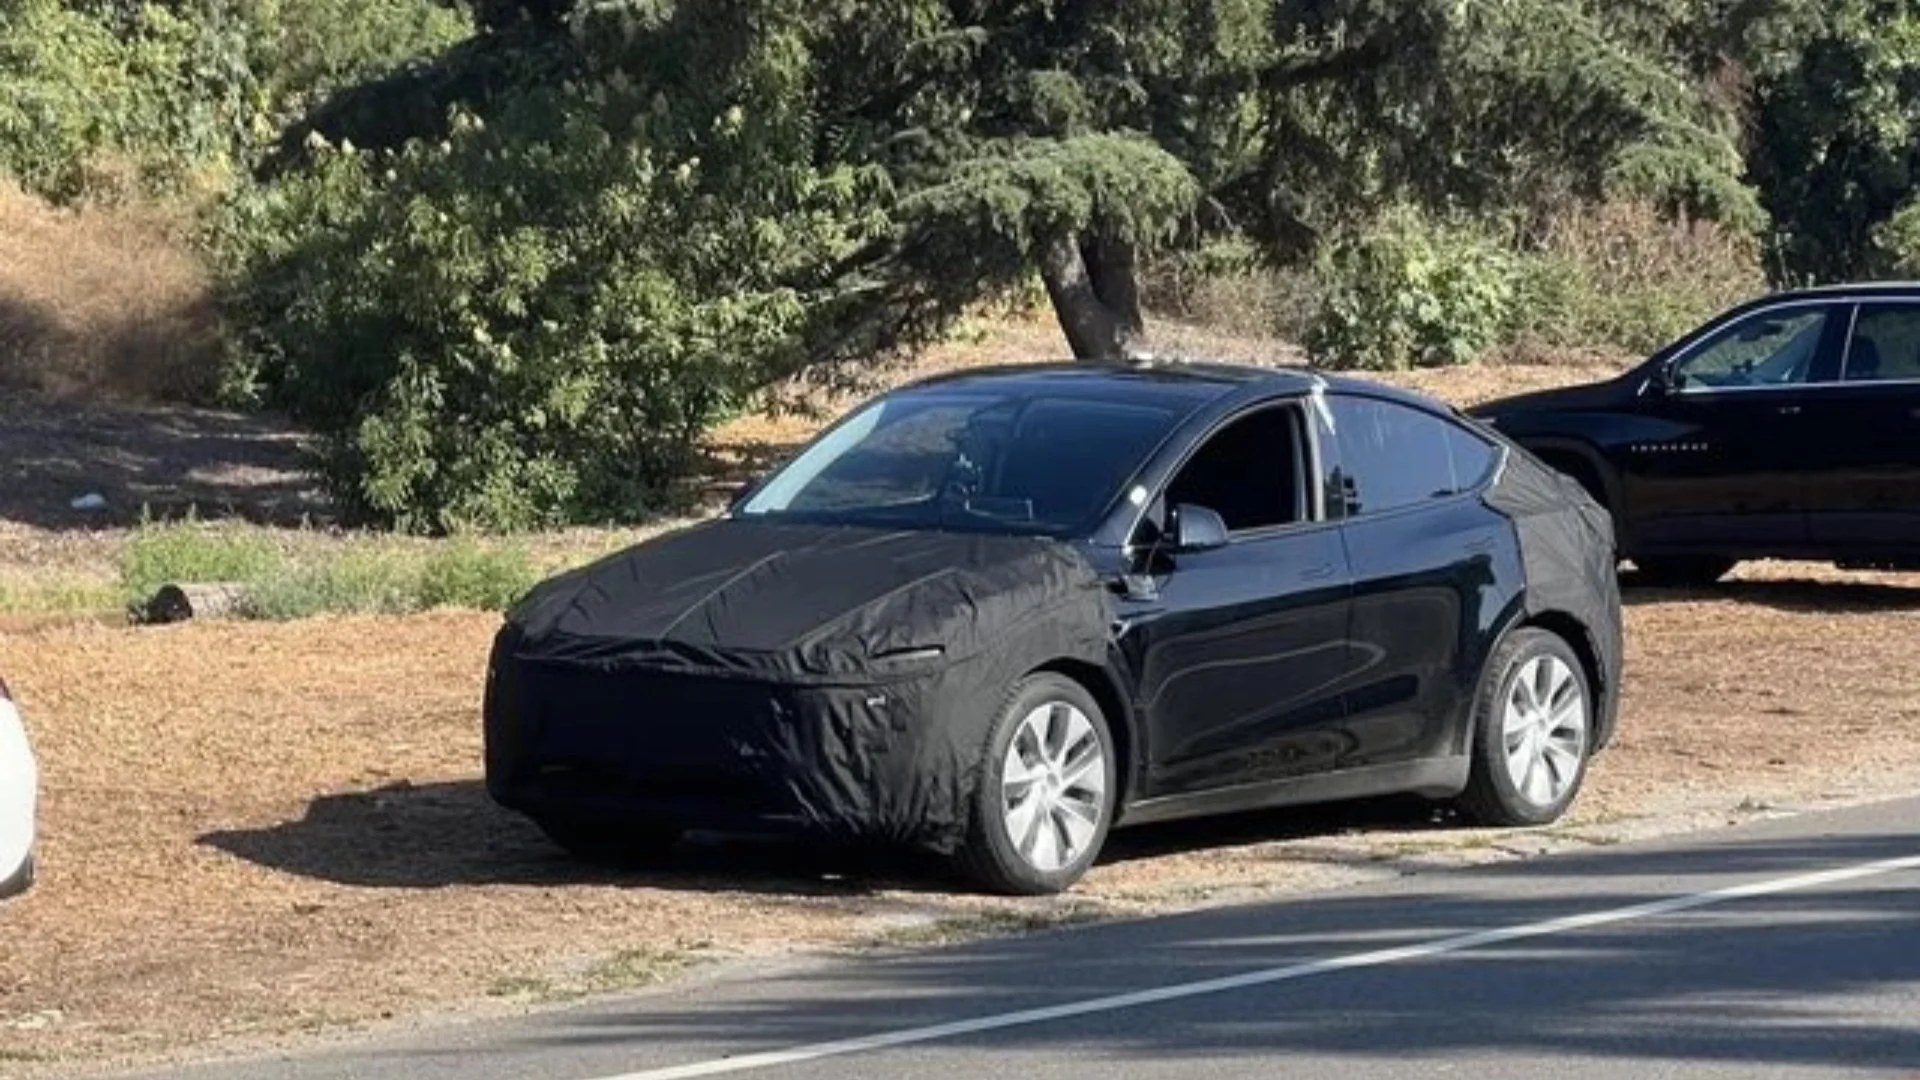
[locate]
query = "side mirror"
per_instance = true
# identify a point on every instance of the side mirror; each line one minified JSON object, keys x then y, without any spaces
{"x":1196,"y":528}
{"x":1663,"y":382}
{"x":739,"y":493}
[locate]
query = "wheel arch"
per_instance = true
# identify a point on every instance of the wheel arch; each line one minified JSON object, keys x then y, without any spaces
{"x":1106,"y":692}
{"x":1586,"y":464}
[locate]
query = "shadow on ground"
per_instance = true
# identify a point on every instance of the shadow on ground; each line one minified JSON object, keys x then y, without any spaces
{"x":165,"y":460}
{"x":1784,"y":594}
{"x":427,"y":836}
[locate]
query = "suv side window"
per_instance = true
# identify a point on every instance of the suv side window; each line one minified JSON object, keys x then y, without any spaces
{"x":1251,"y":472}
{"x":1393,"y":455}
{"x":1770,"y":348}
{"x":1885,"y":344}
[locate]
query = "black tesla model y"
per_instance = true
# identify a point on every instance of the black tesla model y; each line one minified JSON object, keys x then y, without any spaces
{"x":998,"y":613}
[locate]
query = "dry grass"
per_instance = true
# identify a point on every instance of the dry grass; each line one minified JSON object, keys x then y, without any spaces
{"x":101,"y":304}
{"x":255,"y":829}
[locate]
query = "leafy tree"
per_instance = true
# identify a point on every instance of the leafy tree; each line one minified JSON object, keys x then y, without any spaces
{"x":1836,"y":149}
{"x":185,"y":87}
{"x":657,"y":208}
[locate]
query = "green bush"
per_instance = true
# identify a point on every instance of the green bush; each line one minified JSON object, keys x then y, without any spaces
{"x":1410,"y":292}
{"x":295,"y":575}
{"x":465,"y":574}
{"x":190,"y":551}
{"x":534,"y":321}
{"x":364,"y":581}
{"x":185,"y":91}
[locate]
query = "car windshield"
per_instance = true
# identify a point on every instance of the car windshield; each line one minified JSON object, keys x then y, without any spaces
{"x":971,"y":459}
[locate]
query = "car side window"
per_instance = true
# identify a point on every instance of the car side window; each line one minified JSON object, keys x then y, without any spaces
{"x":1885,"y":345}
{"x":1394,"y":455}
{"x":1772,"y":348}
{"x":1251,"y":472}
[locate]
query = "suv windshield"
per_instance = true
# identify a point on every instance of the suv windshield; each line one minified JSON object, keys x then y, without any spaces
{"x":972,"y":459}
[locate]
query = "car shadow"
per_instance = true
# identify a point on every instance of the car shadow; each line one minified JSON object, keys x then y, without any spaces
{"x":1799,"y":595}
{"x":1395,"y":814}
{"x":427,"y":836}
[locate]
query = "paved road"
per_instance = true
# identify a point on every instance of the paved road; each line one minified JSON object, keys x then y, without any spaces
{"x":1790,"y":948}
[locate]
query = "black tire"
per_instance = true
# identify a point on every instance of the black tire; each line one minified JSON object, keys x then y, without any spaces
{"x":608,"y":843}
{"x":1492,"y":797}
{"x":992,"y":858}
{"x":1683,"y":570}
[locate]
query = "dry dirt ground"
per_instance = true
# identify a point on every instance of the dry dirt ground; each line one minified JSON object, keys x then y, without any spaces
{"x":257,"y":832}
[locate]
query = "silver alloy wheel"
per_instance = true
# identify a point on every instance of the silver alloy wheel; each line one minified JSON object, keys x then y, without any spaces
{"x":1545,"y":730}
{"x":1053,"y":786}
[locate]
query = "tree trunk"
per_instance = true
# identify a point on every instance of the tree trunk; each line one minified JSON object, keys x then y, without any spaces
{"x":1095,"y":290}
{"x":178,"y":603}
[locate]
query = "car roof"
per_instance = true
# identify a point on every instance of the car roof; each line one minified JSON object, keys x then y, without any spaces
{"x":1844,"y":291}
{"x":1187,"y":382}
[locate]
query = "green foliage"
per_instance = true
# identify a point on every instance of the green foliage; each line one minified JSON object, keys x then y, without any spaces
{"x":534,"y":321}
{"x":1411,"y":292}
{"x":370,"y":579}
{"x":1896,"y":242}
{"x":574,"y":235}
{"x":303,"y":574}
{"x":186,"y":90}
{"x":189,"y":551}
{"x":1482,"y":108}
{"x":1836,"y":151}
{"x":472,"y":575}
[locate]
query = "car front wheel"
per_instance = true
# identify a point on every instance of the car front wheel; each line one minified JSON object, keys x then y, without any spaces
{"x":1044,"y":799}
{"x":1533,"y":732}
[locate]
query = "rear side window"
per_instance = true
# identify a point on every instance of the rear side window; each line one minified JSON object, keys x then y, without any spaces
{"x":1392,"y":455}
{"x":1885,"y":345}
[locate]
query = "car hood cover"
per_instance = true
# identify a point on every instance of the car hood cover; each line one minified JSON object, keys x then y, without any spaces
{"x":806,"y":601}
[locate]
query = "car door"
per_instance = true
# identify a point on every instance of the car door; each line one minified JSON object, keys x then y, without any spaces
{"x":1863,"y":440}
{"x":1239,"y":652}
{"x":1427,"y":593}
{"x":1725,"y":468}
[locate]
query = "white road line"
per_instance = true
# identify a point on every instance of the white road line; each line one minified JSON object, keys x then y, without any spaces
{"x":1177,"y":991}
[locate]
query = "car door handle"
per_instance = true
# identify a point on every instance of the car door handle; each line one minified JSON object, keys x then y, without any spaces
{"x":1316,"y":573}
{"x":1789,"y":410}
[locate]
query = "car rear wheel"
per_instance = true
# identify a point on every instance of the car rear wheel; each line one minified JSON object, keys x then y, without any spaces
{"x":1683,"y":570}
{"x":1533,"y":732}
{"x":1045,"y":795}
{"x":608,"y":843}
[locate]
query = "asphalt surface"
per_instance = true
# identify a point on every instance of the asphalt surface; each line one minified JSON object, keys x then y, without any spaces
{"x":1787,"y":948}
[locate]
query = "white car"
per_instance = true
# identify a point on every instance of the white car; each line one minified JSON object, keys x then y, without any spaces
{"x":19,"y":792}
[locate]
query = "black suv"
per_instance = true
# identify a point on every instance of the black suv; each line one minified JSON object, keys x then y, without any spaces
{"x":1787,"y":427}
